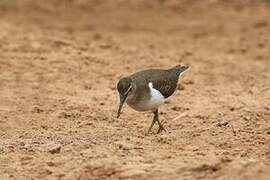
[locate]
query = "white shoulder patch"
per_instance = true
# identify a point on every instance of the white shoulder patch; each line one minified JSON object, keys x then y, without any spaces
{"x":156,"y":98}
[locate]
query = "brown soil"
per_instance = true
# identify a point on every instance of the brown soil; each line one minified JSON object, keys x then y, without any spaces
{"x":59,"y":65}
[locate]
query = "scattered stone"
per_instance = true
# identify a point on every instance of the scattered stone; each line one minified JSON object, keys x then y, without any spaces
{"x":206,"y":167}
{"x":55,"y":149}
{"x":260,"y":24}
{"x":50,"y":164}
{"x":176,"y":108}
{"x":87,"y":87}
{"x":180,"y":87}
{"x":97,"y":36}
{"x":247,"y":118}
{"x":37,"y":110}
{"x":220,"y":124}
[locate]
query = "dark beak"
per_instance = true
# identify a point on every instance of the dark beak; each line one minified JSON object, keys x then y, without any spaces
{"x":122,"y":101}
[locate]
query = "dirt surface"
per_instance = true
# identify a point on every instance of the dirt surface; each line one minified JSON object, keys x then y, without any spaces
{"x":59,"y":65}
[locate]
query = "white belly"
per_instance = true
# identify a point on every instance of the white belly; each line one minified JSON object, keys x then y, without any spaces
{"x":156,"y":99}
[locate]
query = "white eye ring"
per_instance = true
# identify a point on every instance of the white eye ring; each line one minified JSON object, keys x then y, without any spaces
{"x":129,"y":89}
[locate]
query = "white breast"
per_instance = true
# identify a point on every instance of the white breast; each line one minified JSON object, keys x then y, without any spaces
{"x":156,"y":99}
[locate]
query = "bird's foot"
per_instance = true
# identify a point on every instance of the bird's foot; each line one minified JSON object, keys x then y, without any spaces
{"x":161,"y":128}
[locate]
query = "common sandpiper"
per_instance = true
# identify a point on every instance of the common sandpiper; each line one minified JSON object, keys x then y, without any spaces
{"x":148,"y":89}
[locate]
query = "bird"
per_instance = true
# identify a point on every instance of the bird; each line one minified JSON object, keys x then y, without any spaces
{"x":147,"y":89}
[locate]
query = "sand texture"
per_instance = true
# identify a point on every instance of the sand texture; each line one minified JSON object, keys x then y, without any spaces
{"x":59,"y":65}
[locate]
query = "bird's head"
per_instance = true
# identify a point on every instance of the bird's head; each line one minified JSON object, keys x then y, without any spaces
{"x":125,"y":88}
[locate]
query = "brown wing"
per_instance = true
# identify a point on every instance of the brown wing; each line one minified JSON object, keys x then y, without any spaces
{"x":163,"y":80}
{"x":166,"y":86}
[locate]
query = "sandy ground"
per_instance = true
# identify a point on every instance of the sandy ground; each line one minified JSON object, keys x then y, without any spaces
{"x":59,"y":65}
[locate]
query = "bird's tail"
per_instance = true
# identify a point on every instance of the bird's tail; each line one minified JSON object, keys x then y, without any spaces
{"x":179,"y":69}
